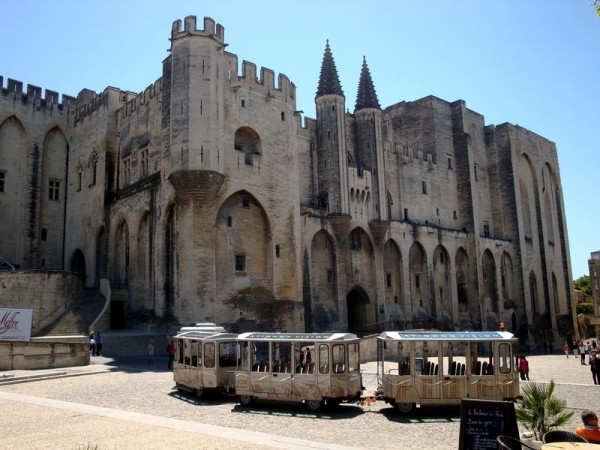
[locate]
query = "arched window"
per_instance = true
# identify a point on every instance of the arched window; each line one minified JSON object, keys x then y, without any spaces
{"x":247,"y":141}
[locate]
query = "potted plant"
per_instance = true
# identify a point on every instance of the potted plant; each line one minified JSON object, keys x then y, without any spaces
{"x":539,"y":411}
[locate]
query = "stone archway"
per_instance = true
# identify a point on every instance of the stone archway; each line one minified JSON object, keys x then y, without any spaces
{"x":361,"y":313}
{"x":78,"y":262}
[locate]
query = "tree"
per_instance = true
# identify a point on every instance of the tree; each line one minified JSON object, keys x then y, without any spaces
{"x":596,"y":4}
{"x":583,"y":283}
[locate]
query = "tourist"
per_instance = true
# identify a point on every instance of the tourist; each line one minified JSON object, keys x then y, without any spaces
{"x":566,"y":349}
{"x":98,"y":340}
{"x":150,"y":354}
{"x":589,"y":430}
{"x":92,"y":344}
{"x":582,"y":352}
{"x":595,"y":367}
{"x":171,"y":353}
{"x":523,"y":367}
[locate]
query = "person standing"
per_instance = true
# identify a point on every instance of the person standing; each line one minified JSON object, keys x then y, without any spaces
{"x":523,"y":367}
{"x":150,"y":354}
{"x":595,"y":367}
{"x":92,"y":344}
{"x":582,"y":352}
{"x":171,"y":353}
{"x":98,"y":340}
{"x":566,"y":349}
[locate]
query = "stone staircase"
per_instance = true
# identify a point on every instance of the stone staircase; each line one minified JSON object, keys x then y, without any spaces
{"x":76,"y":320}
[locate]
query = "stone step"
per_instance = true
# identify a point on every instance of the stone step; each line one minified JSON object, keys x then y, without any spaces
{"x":78,"y":318}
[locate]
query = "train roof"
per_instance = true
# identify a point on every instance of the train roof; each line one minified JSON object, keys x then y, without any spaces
{"x":481,"y":336}
{"x":199,"y":334}
{"x":307,"y":337}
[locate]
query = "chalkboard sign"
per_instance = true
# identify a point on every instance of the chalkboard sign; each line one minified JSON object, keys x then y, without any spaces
{"x":482,"y":421}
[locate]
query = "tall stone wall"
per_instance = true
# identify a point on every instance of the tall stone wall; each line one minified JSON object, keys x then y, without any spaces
{"x":48,"y":293}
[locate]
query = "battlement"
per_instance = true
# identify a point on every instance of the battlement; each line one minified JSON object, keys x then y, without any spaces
{"x":112,"y":98}
{"x":34,"y":95}
{"x":283,"y":91}
{"x":211,"y":29}
{"x":135,"y":102}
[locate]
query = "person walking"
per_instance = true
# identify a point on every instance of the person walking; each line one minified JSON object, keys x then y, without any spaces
{"x":150,"y":354}
{"x":566,"y":349}
{"x":98,"y":340}
{"x":523,"y":368}
{"x":595,"y":367}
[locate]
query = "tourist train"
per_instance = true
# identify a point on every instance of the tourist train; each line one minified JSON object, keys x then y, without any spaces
{"x":414,"y":368}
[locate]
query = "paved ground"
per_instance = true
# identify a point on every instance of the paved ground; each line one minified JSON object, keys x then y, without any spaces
{"x":123,"y":404}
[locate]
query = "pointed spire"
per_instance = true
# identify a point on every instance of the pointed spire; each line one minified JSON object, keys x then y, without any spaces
{"x":329,"y":83}
{"x":366,"y":96}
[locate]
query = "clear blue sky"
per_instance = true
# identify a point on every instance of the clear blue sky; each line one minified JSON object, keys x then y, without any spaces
{"x":528,"y":62}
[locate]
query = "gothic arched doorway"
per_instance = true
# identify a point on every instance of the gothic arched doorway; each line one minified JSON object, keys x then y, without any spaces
{"x":361,"y":314}
{"x":78,"y":262}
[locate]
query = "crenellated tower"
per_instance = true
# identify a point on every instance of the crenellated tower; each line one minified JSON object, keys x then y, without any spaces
{"x":368,"y":139}
{"x":331,"y":139}
{"x":194,"y":101}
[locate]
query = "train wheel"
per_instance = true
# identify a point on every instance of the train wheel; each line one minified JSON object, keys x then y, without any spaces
{"x":246,"y":400}
{"x":313,"y":405}
{"x":404,"y":408}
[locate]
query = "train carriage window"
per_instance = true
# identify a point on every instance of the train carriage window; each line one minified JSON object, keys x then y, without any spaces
{"x":283,"y":357}
{"x":227,"y":354}
{"x":403,"y":359}
{"x":179,"y":350}
{"x":244,"y":355}
{"x":304,"y":357}
{"x":353,"y":357}
{"x":481,"y":358}
{"x":323,"y":358}
{"x":194,"y":349}
{"x":427,"y":352}
{"x":504,"y":358}
{"x":261,"y":356}
{"x":209,"y":354}
{"x":339,"y":358}
{"x":187,"y":350}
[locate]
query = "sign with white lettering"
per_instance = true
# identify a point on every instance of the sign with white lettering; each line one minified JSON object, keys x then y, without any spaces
{"x":15,"y":324}
{"x":482,"y":421}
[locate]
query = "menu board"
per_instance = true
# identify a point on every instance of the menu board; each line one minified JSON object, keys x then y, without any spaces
{"x":482,"y":421}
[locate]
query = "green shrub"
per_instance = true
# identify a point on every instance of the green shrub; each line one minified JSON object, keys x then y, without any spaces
{"x":585,"y":308}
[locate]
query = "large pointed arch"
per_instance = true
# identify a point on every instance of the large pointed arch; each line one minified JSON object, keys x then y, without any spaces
{"x":52,"y":202}
{"x":324,"y":286}
{"x":243,"y":247}
{"x":392,"y":267}
{"x":143,"y":269}
{"x":422,"y":306}
{"x":442,"y":289}
{"x":489,"y":291}
{"x":13,"y":170}
{"x":362,"y":257}
{"x":120,"y":266}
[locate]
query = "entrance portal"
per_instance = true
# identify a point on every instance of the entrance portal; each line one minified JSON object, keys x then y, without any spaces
{"x":361,"y":314}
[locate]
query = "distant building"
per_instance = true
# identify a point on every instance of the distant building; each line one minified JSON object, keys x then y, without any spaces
{"x":207,"y":198}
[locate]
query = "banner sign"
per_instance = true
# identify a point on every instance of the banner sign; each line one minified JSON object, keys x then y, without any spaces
{"x":15,"y":324}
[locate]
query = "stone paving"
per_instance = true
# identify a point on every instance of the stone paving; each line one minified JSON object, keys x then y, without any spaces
{"x":129,"y":406}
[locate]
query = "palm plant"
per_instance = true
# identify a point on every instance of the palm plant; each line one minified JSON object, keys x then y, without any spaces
{"x":539,"y":411}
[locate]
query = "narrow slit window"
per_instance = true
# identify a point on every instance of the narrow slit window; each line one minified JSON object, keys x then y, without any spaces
{"x":240,"y":263}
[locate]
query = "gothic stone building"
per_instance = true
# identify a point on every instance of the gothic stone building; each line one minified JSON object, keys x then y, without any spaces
{"x":208,"y":197}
